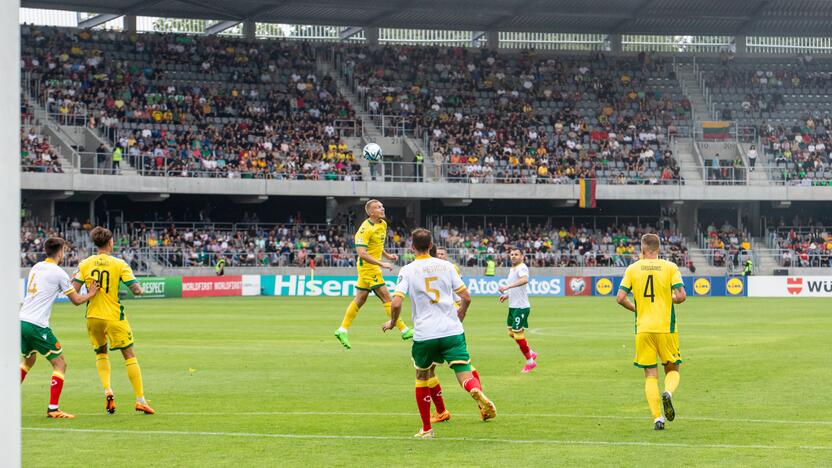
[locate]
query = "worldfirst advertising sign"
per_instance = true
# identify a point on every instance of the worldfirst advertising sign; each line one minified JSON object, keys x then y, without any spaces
{"x":212,"y":286}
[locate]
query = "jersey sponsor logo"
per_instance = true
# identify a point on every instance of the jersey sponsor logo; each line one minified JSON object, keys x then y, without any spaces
{"x":794,"y":285}
{"x":734,"y":286}
{"x":603,"y":287}
{"x":702,"y":286}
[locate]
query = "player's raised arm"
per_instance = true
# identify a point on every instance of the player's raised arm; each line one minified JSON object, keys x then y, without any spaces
{"x":77,"y":299}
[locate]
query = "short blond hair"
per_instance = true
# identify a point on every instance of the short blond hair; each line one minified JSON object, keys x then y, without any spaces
{"x":367,"y":205}
{"x":650,"y":242}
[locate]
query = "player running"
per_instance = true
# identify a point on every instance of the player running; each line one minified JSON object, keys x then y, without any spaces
{"x":516,"y":292}
{"x":369,"y":246}
{"x":106,"y":321}
{"x":46,"y":281}
{"x":439,"y":336}
{"x":656,"y":286}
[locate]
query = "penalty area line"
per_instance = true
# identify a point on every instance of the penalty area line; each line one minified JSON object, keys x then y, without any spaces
{"x":267,"y":435}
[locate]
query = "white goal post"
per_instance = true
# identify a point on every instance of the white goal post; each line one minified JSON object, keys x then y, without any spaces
{"x":10,"y":233}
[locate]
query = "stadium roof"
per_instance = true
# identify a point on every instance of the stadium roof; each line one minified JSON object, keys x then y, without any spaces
{"x":677,"y":17}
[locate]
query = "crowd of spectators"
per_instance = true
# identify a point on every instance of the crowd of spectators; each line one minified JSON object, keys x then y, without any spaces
{"x":566,"y":246}
{"x":298,"y":244}
{"x":36,"y":154}
{"x":34,"y":234}
{"x":802,"y":243}
{"x":727,"y":246}
{"x":212,"y":106}
{"x":523,"y":118}
{"x":799,"y":154}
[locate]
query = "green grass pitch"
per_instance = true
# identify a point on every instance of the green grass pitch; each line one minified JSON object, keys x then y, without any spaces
{"x":262,"y":382}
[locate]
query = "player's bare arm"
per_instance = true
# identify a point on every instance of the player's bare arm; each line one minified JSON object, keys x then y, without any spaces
{"x":136,"y":289}
{"x":625,"y":301}
{"x":464,"y":302}
{"x":390,"y":256}
{"x":361,"y":251}
{"x":679,"y":295}
{"x":77,"y":299}
{"x":395,"y":311}
{"x":524,"y":280}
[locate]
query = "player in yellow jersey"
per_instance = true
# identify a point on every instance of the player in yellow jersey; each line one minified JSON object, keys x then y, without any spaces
{"x":106,"y":322}
{"x":369,"y":247}
{"x":656,"y":286}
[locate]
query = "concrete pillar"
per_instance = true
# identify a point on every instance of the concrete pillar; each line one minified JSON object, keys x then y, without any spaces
{"x":493,"y":38}
{"x":331,"y":209}
{"x":42,"y":210}
{"x":372,"y":35}
{"x":92,"y":212}
{"x":249,"y":30}
{"x":613,"y":43}
{"x":413,"y":211}
{"x":687,"y":218}
{"x":740,"y":45}
{"x":130,"y":23}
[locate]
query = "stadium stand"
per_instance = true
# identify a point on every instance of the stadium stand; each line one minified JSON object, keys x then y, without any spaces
{"x":216,"y":107}
{"x":523,"y":118}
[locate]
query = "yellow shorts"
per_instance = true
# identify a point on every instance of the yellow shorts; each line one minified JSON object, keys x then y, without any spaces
{"x":651,"y":345}
{"x":369,"y":279}
{"x":117,"y":332}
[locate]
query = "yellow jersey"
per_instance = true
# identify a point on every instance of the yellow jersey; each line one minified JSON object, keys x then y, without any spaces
{"x":652,"y":281}
{"x":371,"y":235}
{"x":108,"y":272}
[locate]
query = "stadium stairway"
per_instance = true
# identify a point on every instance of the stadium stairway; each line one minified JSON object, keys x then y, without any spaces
{"x":693,"y":91}
{"x":368,"y":127}
{"x":689,"y":165}
{"x":700,"y":261}
{"x":765,"y":260}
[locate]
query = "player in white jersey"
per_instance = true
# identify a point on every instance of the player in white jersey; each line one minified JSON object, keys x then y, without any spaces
{"x":516,"y":292}
{"x":437,"y":324}
{"x":46,"y":281}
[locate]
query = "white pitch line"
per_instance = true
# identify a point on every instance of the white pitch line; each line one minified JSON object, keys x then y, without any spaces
{"x":449,"y":439}
{"x":514,"y":415}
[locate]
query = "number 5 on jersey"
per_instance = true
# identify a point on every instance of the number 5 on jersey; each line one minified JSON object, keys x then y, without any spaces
{"x":429,"y":289}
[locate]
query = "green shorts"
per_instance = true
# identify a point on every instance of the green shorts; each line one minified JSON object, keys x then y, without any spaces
{"x":35,"y":339}
{"x":437,"y":351}
{"x":518,"y":318}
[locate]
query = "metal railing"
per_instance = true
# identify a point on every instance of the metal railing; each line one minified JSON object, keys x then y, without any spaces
{"x":180,"y":257}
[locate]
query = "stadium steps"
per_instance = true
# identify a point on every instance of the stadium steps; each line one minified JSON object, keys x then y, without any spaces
{"x":765,"y":260}
{"x":368,"y":127}
{"x":694,"y":93}
{"x":700,"y":261}
{"x":689,"y":166}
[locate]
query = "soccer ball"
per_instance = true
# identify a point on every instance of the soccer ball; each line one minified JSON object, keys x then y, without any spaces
{"x":372,"y":152}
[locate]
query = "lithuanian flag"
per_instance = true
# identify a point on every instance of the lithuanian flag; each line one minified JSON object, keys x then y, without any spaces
{"x":587,"y":199}
{"x":716,"y":130}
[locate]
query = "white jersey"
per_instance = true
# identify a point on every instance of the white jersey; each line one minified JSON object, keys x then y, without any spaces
{"x":518,"y":298}
{"x":46,"y":281}
{"x":431,"y":284}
